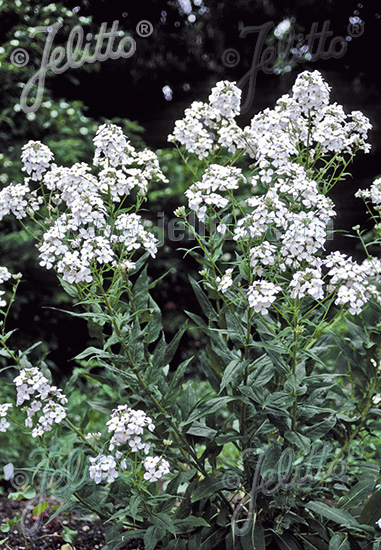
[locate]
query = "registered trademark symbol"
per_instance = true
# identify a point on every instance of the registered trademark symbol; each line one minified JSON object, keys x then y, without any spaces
{"x":144,"y":28}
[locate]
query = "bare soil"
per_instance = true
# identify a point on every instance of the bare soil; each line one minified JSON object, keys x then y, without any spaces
{"x":49,"y":534}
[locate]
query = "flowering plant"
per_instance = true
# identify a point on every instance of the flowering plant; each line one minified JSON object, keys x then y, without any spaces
{"x":251,"y":460}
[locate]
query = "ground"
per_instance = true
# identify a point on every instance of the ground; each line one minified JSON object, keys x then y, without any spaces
{"x":50,"y":535}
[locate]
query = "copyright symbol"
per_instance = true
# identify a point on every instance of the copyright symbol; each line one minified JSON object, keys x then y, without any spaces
{"x":355,"y":29}
{"x":144,"y":28}
{"x":19,"y":57}
{"x":19,"y":479}
{"x":230,"y":480}
{"x":230,"y":57}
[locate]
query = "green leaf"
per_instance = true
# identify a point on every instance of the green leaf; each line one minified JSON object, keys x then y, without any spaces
{"x":300,"y":441}
{"x":358,"y":493}
{"x":263,"y":373}
{"x":318,"y":429}
{"x":178,"y":376}
{"x":310,"y":542}
{"x":152,"y":536}
{"x":164,"y":522}
{"x":198,"y":321}
{"x":189,"y":523}
{"x":69,"y":289}
{"x":69,"y":535}
{"x":40,"y":508}
{"x":201,"y":430}
{"x":158,"y":356}
{"x":203,"y":300}
{"x":209,"y":407}
{"x":339,"y":541}
{"x":259,"y":537}
{"x":236,"y":330}
{"x":171,"y":349}
{"x":207,"y":487}
{"x":333,"y":514}
{"x":95,"y":330}
{"x":271,"y":459}
{"x":253,"y":541}
{"x":372,"y":509}
{"x":28,"y":493}
{"x":286,"y":542}
{"x":154,"y":326}
{"x":232,"y":371}
{"x":9,"y":524}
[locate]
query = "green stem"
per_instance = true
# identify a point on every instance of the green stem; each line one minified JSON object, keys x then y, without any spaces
{"x":293,"y":363}
{"x":67,"y":421}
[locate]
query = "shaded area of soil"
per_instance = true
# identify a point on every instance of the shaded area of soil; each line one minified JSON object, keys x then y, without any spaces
{"x":48,"y":535}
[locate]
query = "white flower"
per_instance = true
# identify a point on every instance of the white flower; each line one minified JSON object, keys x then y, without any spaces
{"x":13,"y":200}
{"x":4,"y":424}
{"x":262,"y":255}
{"x":225,"y":97}
{"x":112,"y":147}
{"x":311,"y":91}
{"x":4,"y":409}
{"x":261,"y":294}
{"x":306,"y":282}
{"x":193,"y":132}
{"x":203,"y":194}
{"x":136,"y":443}
{"x":156,"y":467}
{"x":93,"y":436}
{"x":128,"y":425}
{"x":224,"y":282}
{"x":31,"y":382}
{"x":5,"y":275}
{"x":103,"y":467}
{"x":36,"y":159}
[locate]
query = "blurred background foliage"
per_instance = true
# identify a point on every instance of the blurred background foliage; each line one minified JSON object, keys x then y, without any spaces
{"x":178,"y":63}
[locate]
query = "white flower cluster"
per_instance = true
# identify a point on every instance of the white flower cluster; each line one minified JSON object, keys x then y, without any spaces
{"x":225,"y":282}
{"x":225,"y":98}
{"x":93,"y":436}
{"x":5,"y":274}
{"x":82,"y":231}
{"x":103,"y":467}
{"x":4,"y":424}
{"x":303,"y":117}
{"x":207,"y":126}
{"x":13,"y":199}
{"x":261,"y":256}
{"x":306,"y":282}
{"x":352,"y":280}
{"x":261,"y":294}
{"x":112,"y":147}
{"x":128,"y":426}
{"x":311,"y":92}
{"x":203,"y":194}
{"x":156,"y":467}
{"x":47,"y":399}
{"x":285,"y":229}
{"x":297,"y":214}
{"x":36,"y":158}
{"x":334,"y":133}
{"x":373,"y":193}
